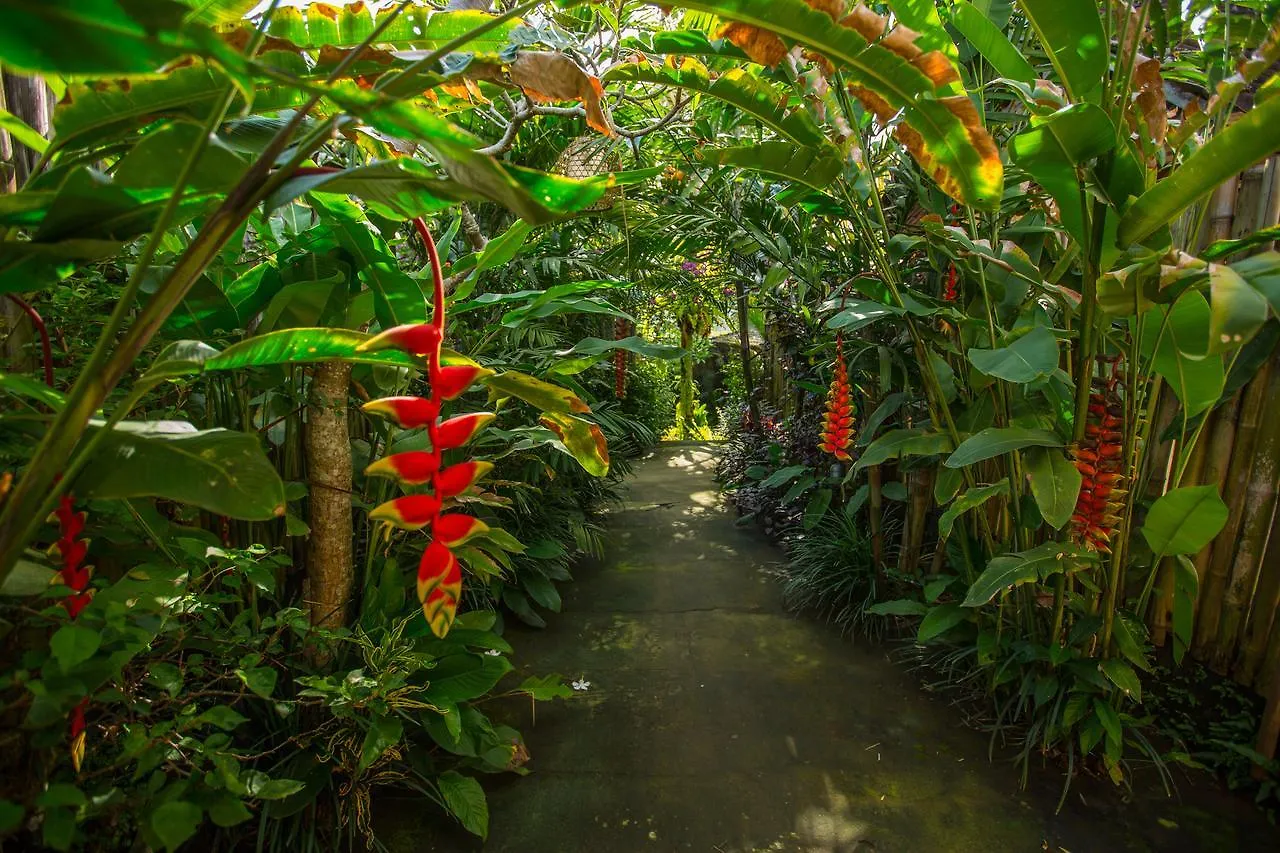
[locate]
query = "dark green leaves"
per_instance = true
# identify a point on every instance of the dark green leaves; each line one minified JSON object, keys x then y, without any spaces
{"x":1030,"y":357}
{"x":815,"y":167}
{"x":219,"y":470}
{"x":1184,"y":520}
{"x":1010,"y":570}
{"x":997,"y":440}
{"x":1071,"y":33}
{"x":465,"y":799}
{"x":1248,"y":139}
{"x":175,"y":822}
{"x":288,"y":346}
{"x":89,"y":36}
{"x":1055,"y":483}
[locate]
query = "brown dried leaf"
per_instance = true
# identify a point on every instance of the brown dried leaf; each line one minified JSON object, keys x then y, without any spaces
{"x":868,"y":24}
{"x":759,"y":45}
{"x":550,"y":76}
{"x":1150,"y":99}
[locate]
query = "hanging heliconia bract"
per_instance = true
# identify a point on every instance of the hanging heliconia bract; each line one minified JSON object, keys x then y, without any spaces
{"x":439,"y":574}
{"x":74,"y":575}
{"x":1098,"y":459}
{"x":837,"y":423}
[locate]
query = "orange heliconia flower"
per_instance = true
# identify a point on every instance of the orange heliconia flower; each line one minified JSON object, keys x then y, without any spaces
{"x":837,"y":423}
{"x":1099,"y":459}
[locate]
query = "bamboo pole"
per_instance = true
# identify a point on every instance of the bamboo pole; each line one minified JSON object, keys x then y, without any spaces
{"x":1237,"y":483}
{"x":1221,"y":432}
{"x":919,"y":499}
{"x":1263,"y":608}
{"x":1258,"y":502}
{"x":1222,"y":209}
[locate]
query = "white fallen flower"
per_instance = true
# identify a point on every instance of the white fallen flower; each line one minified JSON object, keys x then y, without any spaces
{"x":581,"y":684}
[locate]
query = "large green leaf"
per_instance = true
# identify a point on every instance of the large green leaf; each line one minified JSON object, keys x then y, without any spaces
{"x":539,"y":393}
{"x":903,"y":442}
{"x":990,"y":41}
{"x":582,"y":439}
{"x":105,"y":109}
{"x":1010,"y":570}
{"x":1237,"y":310}
{"x":940,"y":126}
{"x":1179,"y":353}
{"x":419,"y":27}
{"x":22,"y":132}
{"x":219,"y":470}
{"x":738,"y":88}
{"x":1054,"y":147}
{"x":815,"y":167}
{"x":1071,"y":33}
{"x":1030,"y":357}
{"x":858,"y":313}
{"x":497,"y":252}
{"x":398,"y":189}
{"x":288,"y":346}
{"x":107,"y":37}
{"x":971,"y":499}
{"x":1245,"y":141}
{"x":398,"y":299}
{"x":994,"y":441}
{"x":465,"y":799}
{"x":1055,"y":484}
{"x":1184,"y":520}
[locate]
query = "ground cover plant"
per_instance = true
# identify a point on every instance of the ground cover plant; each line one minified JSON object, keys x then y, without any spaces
{"x":983,"y":296}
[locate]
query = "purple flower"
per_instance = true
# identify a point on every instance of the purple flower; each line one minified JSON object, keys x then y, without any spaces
{"x":692,"y":268}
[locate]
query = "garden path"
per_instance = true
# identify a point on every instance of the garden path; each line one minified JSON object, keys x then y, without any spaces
{"x":716,"y":721}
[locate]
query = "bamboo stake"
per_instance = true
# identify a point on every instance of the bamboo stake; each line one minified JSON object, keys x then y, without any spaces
{"x":1258,"y":502}
{"x":1236,"y":487}
{"x":1270,"y":206}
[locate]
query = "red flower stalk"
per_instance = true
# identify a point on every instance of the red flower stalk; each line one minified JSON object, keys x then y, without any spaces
{"x":949,"y":294}
{"x":75,"y":575}
{"x":837,"y":423}
{"x":439,"y":574}
{"x":1099,"y":459}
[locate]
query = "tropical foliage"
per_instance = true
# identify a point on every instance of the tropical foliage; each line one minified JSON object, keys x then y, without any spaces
{"x":954,"y":263}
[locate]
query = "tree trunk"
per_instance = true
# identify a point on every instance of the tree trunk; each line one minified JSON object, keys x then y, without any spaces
{"x":330,"y":567}
{"x":744,"y":351}
{"x":28,"y":99}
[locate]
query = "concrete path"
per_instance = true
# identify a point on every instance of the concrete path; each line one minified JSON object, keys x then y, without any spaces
{"x":716,"y":721}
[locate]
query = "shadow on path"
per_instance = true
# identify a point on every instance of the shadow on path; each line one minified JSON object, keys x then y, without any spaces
{"x":716,"y":721}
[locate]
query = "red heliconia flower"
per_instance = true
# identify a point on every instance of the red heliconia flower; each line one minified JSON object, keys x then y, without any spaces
{"x":837,"y":423}
{"x":412,"y":468}
{"x":1099,"y":459}
{"x":439,"y":586}
{"x":456,"y":432}
{"x":75,"y":575}
{"x":439,"y":573}
{"x":415,"y":338}
{"x":456,"y":379}
{"x":949,"y":295}
{"x":456,"y":479}
{"x":411,"y":512}
{"x":454,"y":528}
{"x":407,"y":412}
